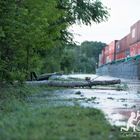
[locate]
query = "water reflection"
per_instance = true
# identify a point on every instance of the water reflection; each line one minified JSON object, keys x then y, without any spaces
{"x":116,"y":105}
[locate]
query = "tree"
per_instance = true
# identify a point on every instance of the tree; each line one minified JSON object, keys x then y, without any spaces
{"x":82,"y":58}
{"x":24,"y":33}
{"x":30,"y":29}
{"x":81,"y":12}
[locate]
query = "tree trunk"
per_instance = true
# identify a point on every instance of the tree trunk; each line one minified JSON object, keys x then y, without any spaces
{"x":72,"y":84}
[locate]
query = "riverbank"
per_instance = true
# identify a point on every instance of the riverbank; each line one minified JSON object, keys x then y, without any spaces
{"x":20,"y":119}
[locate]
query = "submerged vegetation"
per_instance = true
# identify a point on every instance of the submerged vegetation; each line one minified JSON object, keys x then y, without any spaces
{"x":22,"y":119}
{"x":123,"y":86}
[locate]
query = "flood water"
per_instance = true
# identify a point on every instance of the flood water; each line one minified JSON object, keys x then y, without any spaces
{"x":116,"y":104}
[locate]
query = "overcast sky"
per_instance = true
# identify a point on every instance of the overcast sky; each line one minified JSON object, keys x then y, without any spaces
{"x":123,"y":14}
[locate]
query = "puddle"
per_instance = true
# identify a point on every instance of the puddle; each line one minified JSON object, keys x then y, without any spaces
{"x":116,"y":105}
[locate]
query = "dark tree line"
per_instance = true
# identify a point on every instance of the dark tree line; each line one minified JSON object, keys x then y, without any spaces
{"x":82,"y":58}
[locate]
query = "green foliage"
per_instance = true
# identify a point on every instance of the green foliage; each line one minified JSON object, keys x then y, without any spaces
{"x":55,"y":123}
{"x":25,"y":119}
{"x":31,"y":28}
{"x":68,"y":60}
{"x":83,"y":58}
{"x":122,"y":87}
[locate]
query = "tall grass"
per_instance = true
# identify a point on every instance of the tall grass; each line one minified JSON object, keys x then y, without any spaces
{"x":21,"y":120}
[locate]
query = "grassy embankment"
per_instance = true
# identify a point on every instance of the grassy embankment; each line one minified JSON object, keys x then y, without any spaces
{"x":19,"y":120}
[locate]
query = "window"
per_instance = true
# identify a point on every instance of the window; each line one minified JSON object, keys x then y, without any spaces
{"x":133,"y":33}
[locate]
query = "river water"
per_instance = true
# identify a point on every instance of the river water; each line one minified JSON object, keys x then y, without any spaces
{"x":116,"y":104}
